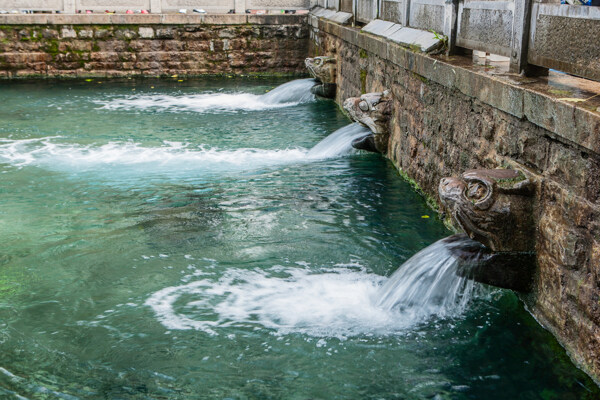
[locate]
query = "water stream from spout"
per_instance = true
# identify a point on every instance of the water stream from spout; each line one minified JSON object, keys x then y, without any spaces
{"x":428,"y":283}
{"x":339,"y":142}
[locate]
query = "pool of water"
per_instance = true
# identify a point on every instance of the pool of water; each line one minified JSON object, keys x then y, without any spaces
{"x":177,"y":240}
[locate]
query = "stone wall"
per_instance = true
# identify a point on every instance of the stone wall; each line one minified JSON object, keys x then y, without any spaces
{"x":183,"y":45}
{"x":449,"y":116}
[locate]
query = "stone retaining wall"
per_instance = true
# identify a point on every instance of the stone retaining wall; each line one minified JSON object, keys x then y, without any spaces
{"x":149,"y":45}
{"x":450,"y":116}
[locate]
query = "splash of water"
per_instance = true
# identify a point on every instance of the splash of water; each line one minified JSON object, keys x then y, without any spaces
{"x":49,"y":152}
{"x":336,"y":302}
{"x":286,"y":95}
{"x":428,"y":284}
{"x":331,"y":303}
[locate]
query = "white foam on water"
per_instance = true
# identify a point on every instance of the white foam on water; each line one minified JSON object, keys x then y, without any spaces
{"x":334,"y":303}
{"x":286,"y":95}
{"x":339,"y":302}
{"x":51,"y":153}
{"x":55,"y":155}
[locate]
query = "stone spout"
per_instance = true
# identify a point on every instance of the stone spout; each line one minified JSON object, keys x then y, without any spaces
{"x":326,"y":90}
{"x":493,"y":206}
{"x":374,"y":111}
{"x":514,"y":270}
{"x":323,"y":70}
{"x":366,"y":143}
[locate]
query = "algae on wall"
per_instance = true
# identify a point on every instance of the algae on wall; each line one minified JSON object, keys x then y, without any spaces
{"x":152,"y":50}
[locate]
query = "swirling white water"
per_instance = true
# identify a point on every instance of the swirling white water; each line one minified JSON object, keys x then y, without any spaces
{"x":286,"y":95}
{"x":50,"y":153}
{"x":335,"y":302}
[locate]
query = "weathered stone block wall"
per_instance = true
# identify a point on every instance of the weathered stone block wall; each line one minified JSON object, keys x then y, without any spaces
{"x":448,"y":118}
{"x":62,"y":50}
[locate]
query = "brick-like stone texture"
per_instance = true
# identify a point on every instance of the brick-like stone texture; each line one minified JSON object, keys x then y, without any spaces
{"x":152,"y":50}
{"x":438,"y":130}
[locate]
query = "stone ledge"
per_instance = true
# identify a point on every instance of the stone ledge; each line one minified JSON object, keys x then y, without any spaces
{"x":408,"y":37}
{"x":566,"y":120}
{"x":151,"y":19}
{"x":340,"y":17}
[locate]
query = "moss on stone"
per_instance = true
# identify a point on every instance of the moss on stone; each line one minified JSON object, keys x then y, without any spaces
{"x":429,"y":200}
{"x":362,"y":53}
{"x":51,"y":47}
{"x":363,"y":81}
{"x":510,"y":182}
{"x":421,"y":78}
{"x":34,"y":36}
{"x":415,"y":48}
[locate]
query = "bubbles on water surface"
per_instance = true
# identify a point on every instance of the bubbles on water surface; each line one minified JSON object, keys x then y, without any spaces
{"x":335,"y":302}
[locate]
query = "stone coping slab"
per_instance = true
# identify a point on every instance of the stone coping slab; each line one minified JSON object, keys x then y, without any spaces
{"x":506,"y":92}
{"x":408,"y":37}
{"x":426,"y":41}
{"x":340,"y":17}
{"x":343,"y":18}
{"x":378,"y":27}
{"x":151,"y":19}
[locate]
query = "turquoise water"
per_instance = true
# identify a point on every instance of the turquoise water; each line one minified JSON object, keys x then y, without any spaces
{"x":177,"y":240}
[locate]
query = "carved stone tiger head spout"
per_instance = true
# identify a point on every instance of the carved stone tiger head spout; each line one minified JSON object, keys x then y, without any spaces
{"x":323,"y":70}
{"x":493,"y":206}
{"x":374,"y":111}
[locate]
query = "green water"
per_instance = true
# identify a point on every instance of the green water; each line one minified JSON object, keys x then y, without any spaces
{"x":160,"y":244}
